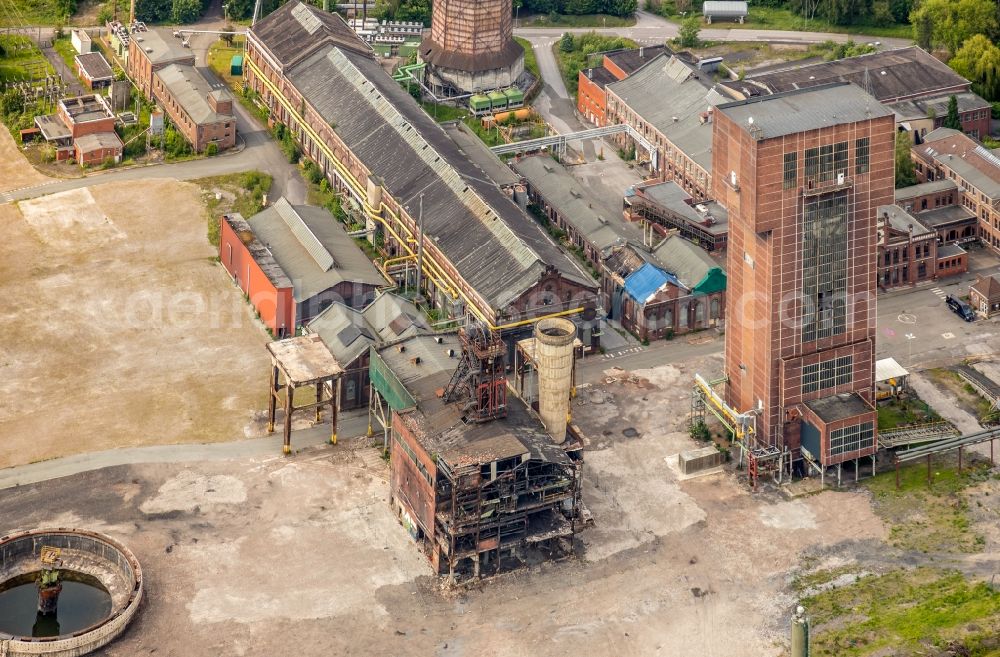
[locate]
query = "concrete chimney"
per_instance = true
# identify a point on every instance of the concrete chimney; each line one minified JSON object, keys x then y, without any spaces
{"x":554,"y":355}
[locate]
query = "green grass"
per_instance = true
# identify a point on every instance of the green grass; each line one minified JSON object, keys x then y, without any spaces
{"x":899,"y":413}
{"x":933,"y":518}
{"x":23,"y":61}
{"x":968,"y":397}
{"x":779,"y":18}
{"x":906,"y":612}
{"x":220,"y":55}
{"x":247,"y":188}
{"x":586,"y":47}
{"x":444,"y":113}
{"x":530,"y":61}
{"x":33,"y":12}
{"x":577,"y":20}
{"x":66,"y":51}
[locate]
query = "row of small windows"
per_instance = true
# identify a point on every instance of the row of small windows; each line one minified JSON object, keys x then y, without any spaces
{"x":851,"y":439}
{"x":827,"y":374}
{"x":825,"y":162}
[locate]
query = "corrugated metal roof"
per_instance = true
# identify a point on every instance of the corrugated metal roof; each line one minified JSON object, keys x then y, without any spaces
{"x":300,"y":266}
{"x":496,"y":247}
{"x":688,"y":96}
{"x":803,"y":110}
{"x":643,"y":284}
{"x":191,"y":90}
{"x":94,"y":66}
{"x":306,"y":238}
{"x":688,"y":262}
{"x":575,"y":204}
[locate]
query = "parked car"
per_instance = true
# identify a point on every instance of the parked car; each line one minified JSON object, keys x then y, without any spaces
{"x":960,"y":308}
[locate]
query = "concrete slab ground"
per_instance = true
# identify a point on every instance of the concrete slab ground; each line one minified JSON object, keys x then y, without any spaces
{"x":253,"y":555}
{"x":120,"y":328}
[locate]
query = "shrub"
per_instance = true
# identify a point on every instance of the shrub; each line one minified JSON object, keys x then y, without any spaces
{"x":212,"y":149}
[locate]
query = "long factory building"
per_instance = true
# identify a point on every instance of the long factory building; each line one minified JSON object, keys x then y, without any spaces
{"x":483,"y":256}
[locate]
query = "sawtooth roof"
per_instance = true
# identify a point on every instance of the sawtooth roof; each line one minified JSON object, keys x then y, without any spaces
{"x":290,"y":33}
{"x":574,"y":203}
{"x":892,"y":75}
{"x":497,"y":249}
{"x":349,"y":332}
{"x":667,"y":77}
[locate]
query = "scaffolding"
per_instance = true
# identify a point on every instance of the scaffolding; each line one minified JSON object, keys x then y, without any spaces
{"x":761,"y":457}
{"x":481,"y":375}
{"x":487,"y":511}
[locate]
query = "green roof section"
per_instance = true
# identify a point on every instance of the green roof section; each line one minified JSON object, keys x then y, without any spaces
{"x":514,"y":95}
{"x":714,"y":281}
{"x":479,"y":102}
{"x":498,"y":97}
{"x":387,"y":383}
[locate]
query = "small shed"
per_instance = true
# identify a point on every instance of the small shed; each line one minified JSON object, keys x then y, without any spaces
{"x":236,"y":65}
{"x":984,"y":295}
{"x":81,"y":41}
{"x":890,"y":378}
{"x":734,"y":10}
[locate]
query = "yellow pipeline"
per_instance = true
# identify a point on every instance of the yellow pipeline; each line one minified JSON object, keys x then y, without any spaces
{"x":532,"y":321}
{"x":441,"y":278}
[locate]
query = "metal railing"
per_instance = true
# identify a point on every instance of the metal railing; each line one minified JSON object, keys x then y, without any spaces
{"x":561,"y":140}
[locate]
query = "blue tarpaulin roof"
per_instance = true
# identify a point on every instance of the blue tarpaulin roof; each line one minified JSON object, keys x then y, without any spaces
{"x":645,"y":281}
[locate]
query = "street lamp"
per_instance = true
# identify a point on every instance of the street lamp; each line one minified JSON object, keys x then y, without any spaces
{"x":225,"y":12}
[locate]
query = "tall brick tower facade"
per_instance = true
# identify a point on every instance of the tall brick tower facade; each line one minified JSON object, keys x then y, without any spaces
{"x":802,"y":174}
{"x":471,"y":46}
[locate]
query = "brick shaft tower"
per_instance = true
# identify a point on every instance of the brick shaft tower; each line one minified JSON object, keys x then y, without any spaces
{"x":471,"y":46}
{"x":802,"y":174}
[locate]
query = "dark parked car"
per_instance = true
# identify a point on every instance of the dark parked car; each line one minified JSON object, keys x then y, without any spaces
{"x":960,"y":308}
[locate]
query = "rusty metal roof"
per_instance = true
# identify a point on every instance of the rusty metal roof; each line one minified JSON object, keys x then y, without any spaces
{"x":294,"y":30}
{"x":304,"y":359}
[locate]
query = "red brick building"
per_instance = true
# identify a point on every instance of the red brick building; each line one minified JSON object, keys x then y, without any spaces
{"x":679,"y":130}
{"x":90,"y":125}
{"x":591,"y":97}
{"x":483,"y":256}
{"x":149,"y":51}
{"x":909,"y":251}
{"x":293,"y":262}
{"x":202,"y":114}
{"x":975,"y":170}
{"x":911,"y":82}
{"x":802,"y":175}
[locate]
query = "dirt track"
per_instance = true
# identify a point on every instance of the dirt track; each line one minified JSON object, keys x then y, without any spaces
{"x":15,"y":171}
{"x":120,"y":329}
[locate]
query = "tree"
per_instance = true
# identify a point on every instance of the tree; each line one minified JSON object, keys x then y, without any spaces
{"x":978,"y":60}
{"x":11,"y":103}
{"x":905,"y":173}
{"x":228,"y":37}
{"x":185,"y":11}
{"x":153,"y":11}
{"x":566,"y":42}
{"x":687,"y":37}
{"x":954,"y":21}
{"x":951,"y":120}
{"x":923,"y":30}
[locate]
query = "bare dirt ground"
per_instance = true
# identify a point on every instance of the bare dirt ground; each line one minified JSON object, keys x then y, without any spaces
{"x":124,"y":330}
{"x":246,"y":556}
{"x":15,"y":171}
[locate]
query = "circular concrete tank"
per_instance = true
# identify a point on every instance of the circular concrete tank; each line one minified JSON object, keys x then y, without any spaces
{"x":554,"y":358}
{"x":83,"y":555}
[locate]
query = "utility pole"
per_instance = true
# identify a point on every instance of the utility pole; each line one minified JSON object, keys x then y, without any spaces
{"x":420,"y":249}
